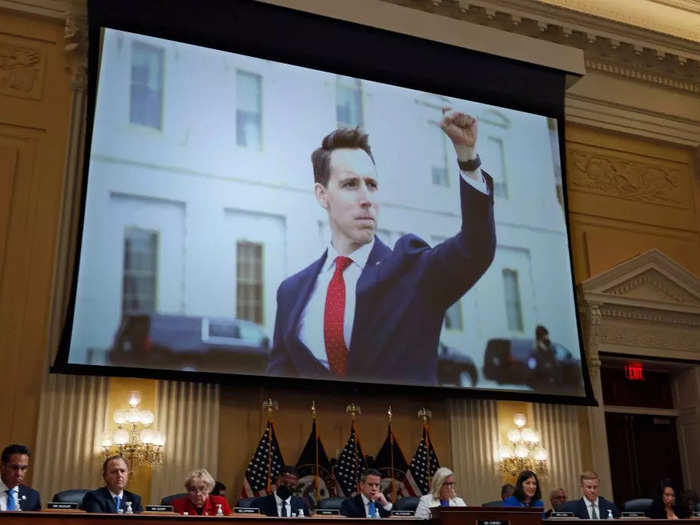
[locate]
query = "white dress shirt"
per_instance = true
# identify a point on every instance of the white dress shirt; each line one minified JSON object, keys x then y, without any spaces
{"x":3,"y":495}
{"x":386,"y":507}
{"x":311,"y":323}
{"x":287,"y":502}
{"x":427,"y":502}
{"x":590,"y":505}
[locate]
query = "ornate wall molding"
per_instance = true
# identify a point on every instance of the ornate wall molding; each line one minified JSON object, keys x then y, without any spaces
{"x":21,"y":69}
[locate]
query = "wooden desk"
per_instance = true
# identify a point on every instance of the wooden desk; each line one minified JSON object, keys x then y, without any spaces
{"x":486,"y":516}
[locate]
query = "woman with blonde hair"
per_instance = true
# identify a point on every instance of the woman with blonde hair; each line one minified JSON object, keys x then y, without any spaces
{"x":442,"y":494}
{"x":199,"y":501}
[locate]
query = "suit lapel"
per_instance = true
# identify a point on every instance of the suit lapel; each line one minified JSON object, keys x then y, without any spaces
{"x":307,"y":280}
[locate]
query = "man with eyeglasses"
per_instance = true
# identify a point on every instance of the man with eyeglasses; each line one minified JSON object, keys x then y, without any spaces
{"x":14,"y":464}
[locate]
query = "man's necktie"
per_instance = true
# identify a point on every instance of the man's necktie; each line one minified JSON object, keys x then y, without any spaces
{"x":117,"y":502}
{"x":594,"y":514}
{"x":333,"y":318}
{"x":372,"y":511}
{"x":283,"y":514}
{"x":11,"y":504}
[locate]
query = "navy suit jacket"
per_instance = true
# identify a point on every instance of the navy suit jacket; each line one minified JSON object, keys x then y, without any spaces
{"x":401,"y":299}
{"x":355,"y":508}
{"x":268,"y":505}
{"x":29,"y":498}
{"x":100,"y":500}
{"x":579,"y":509}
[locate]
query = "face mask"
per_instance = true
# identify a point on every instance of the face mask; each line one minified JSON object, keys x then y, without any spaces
{"x":283,"y":492}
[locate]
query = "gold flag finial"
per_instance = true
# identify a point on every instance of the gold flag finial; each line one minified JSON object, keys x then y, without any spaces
{"x":353,"y":410}
{"x":388,"y":413}
{"x":270,"y":405}
{"x":425,"y":414}
{"x":313,"y":409}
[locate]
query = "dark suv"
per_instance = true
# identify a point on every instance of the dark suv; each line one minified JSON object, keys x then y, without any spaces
{"x":182,"y":342}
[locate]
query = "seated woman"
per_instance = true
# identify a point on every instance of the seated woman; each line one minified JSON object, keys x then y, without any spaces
{"x":442,"y":494}
{"x":199,"y":485}
{"x":664,"y":506}
{"x":527,"y":492}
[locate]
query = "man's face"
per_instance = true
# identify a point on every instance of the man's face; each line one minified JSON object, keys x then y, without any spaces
{"x":558,"y":497}
{"x":116,"y":475}
{"x":371,"y":486}
{"x":288,"y":480}
{"x":13,"y":471}
{"x":590,"y":488}
{"x":350,"y":198}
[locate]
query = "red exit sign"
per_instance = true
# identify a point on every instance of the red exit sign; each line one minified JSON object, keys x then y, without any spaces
{"x":634,"y":371}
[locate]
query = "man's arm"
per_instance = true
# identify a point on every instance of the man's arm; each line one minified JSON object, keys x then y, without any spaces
{"x":91,"y":503}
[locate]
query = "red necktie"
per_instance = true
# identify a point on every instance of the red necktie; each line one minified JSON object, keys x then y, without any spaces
{"x":333,"y":318}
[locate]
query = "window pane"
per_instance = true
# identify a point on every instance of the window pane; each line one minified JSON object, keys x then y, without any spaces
{"x":453,"y":316}
{"x":494,"y":162}
{"x":348,"y":104}
{"x":139,"y":278}
{"x":512,"y":298}
{"x":437,"y":153}
{"x":146,"y":85}
{"x":248,"y":109}
{"x":249,"y":286}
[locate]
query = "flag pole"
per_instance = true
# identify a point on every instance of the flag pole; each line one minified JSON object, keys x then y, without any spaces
{"x":391,"y":452}
{"x":317,"y":491}
{"x":269,"y":405}
{"x":354,"y":410}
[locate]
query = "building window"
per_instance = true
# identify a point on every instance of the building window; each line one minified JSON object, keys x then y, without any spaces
{"x":348,"y":102}
{"x":495,"y":163}
{"x":146,"y":85}
{"x":140,"y":267}
{"x":514,"y":312}
{"x":249,"y":110}
{"x":437,"y":152}
{"x":249,"y":283}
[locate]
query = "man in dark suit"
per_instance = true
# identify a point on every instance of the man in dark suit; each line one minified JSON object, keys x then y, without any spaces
{"x":557,"y":497}
{"x":14,"y":463}
{"x":365,"y":311}
{"x":112,"y":498}
{"x":370,"y":501}
{"x":281,"y":502}
{"x":590,"y":506}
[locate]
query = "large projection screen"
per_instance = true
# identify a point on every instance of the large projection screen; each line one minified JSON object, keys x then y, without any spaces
{"x":200,"y":203}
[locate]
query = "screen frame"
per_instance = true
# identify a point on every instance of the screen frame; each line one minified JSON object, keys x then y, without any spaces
{"x":348,"y":49}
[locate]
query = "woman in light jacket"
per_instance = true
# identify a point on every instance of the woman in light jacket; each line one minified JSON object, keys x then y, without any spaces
{"x":442,"y":494}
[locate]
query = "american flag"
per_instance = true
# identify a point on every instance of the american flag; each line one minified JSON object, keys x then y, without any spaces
{"x":422,"y":467}
{"x":264,"y":466}
{"x":351,"y":464}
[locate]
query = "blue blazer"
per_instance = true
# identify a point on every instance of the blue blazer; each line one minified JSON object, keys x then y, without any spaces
{"x":512,"y":501}
{"x":579,"y":509}
{"x":268,"y":505}
{"x":401,"y":299}
{"x":100,"y":500}
{"x":355,"y":508}
{"x":29,"y":498}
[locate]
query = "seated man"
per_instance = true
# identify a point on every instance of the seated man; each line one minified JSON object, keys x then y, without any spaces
{"x":370,"y":501}
{"x":281,"y":502}
{"x":557,"y":497}
{"x":112,"y":498}
{"x":507,"y":491}
{"x":13,"y":494}
{"x":590,"y":506}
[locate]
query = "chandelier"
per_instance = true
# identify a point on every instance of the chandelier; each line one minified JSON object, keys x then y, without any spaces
{"x":524,"y":451}
{"x":134,"y":439}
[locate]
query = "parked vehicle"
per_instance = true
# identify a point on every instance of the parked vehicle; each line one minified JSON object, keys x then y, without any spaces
{"x":517,"y":361}
{"x":455,"y":368}
{"x":181,"y":342}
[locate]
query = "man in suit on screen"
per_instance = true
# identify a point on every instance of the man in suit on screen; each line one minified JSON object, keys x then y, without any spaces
{"x":362,"y":310}
{"x":590,"y":506}
{"x":14,"y":495}
{"x":113,"y":498}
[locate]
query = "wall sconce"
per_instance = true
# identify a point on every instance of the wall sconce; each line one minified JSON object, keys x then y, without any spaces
{"x":133,"y":438}
{"x":524,"y":451}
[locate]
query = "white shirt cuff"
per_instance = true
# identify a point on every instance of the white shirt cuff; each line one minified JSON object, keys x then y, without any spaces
{"x":479,"y":184}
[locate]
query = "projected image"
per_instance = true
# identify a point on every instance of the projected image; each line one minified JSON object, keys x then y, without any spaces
{"x":210,"y":237}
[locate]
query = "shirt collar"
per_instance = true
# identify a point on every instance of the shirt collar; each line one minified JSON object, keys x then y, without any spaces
{"x":279,"y":500}
{"x":358,"y":257}
{"x":121,"y":494}
{"x":365,"y":500}
{"x":589,"y":502}
{"x":4,"y":487}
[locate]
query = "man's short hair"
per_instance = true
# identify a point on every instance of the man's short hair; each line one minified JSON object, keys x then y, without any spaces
{"x":351,"y":138}
{"x":112,"y":458}
{"x":589,"y":474}
{"x":288,"y":469}
{"x":554,"y":493}
{"x":218,"y":488}
{"x":370,"y":472}
{"x":507,"y":489}
{"x":15,"y":448}
{"x":540,"y":332}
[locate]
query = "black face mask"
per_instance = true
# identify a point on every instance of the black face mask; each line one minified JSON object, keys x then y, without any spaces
{"x":283,"y":492}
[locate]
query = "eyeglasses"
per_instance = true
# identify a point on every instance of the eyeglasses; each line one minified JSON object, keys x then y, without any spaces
{"x":195,"y":490}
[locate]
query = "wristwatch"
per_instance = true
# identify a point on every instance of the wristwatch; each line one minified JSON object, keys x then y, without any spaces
{"x":470,"y":165}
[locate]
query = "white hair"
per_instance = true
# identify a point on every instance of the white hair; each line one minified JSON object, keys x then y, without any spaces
{"x":439,"y":478}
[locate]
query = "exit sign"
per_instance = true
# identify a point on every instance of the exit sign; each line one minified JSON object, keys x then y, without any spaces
{"x":634,"y":371}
